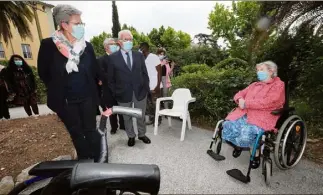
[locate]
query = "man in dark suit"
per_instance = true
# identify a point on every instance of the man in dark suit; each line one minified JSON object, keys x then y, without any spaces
{"x":110,"y":47}
{"x":129,"y":82}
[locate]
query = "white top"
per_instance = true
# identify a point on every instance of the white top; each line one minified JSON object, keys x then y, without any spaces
{"x":152,"y":61}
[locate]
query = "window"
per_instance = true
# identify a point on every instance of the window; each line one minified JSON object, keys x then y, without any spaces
{"x":26,"y":50}
{"x":1,"y":51}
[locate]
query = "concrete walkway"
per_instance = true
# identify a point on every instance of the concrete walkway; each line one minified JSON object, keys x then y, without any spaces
{"x":19,"y":112}
{"x":187,"y":169}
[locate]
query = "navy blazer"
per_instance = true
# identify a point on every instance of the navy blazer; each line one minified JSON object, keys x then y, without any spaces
{"x":51,"y":69}
{"x":124,"y":82}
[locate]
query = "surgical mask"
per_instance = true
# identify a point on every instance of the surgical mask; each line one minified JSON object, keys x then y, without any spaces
{"x":18,"y":62}
{"x":113,"y":48}
{"x":262,"y":75}
{"x":78,"y":31}
{"x":161,"y":57}
{"x":127,"y":46}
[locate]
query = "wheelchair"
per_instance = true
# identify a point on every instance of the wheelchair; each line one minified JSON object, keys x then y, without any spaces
{"x":287,"y":145}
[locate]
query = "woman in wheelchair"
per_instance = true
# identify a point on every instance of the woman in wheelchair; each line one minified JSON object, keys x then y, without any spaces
{"x":253,"y":113}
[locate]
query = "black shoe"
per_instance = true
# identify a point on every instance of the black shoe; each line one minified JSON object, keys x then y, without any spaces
{"x":113,"y":131}
{"x":145,"y":139}
{"x":131,"y":142}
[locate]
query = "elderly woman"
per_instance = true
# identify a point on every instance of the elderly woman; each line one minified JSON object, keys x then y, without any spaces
{"x":21,"y":80}
{"x":255,"y":104}
{"x":67,"y":65}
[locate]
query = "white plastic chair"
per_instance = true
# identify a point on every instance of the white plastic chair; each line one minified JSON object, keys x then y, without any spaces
{"x":181,"y":98}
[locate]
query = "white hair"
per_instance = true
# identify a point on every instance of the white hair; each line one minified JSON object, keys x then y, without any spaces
{"x":123,"y":32}
{"x":63,"y":12}
{"x":270,"y":65}
{"x":107,"y":40}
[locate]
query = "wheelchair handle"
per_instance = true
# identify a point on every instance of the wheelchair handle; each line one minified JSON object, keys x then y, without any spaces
{"x":134,"y":112}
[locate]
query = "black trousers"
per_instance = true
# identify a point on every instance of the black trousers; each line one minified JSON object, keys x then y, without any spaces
{"x":34,"y":107}
{"x":4,"y":110}
{"x":79,"y":117}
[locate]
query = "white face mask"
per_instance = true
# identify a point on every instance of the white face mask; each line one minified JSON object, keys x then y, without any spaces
{"x":161,"y":57}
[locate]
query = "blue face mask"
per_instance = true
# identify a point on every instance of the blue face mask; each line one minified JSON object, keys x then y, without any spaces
{"x":18,"y":62}
{"x":78,"y":31}
{"x":127,"y":46}
{"x":262,"y":75}
{"x":114,"y":48}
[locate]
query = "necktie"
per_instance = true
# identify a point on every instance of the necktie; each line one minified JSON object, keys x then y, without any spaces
{"x":128,"y":61}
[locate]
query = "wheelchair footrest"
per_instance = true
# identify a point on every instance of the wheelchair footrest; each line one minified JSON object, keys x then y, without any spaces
{"x":215,"y":156}
{"x":237,"y":174}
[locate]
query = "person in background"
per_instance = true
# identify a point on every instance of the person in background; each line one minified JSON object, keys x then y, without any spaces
{"x":68,"y":67}
{"x":129,"y":83}
{"x":4,"y":94}
{"x":154,"y":72}
{"x":166,"y":72}
{"x":21,"y":80}
{"x":110,"y":46}
{"x":172,"y":66}
{"x":161,"y":53}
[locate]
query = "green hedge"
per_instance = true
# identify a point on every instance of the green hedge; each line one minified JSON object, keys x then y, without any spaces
{"x":194,"y":68}
{"x":214,"y":91}
{"x":231,"y":63}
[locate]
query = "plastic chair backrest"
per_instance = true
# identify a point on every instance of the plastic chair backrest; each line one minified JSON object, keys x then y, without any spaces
{"x":180,"y":97}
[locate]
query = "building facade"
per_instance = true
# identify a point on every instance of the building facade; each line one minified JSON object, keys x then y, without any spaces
{"x":41,"y":27}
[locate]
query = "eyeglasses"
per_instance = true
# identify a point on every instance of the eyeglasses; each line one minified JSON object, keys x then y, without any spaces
{"x":124,"y":40}
{"x":76,"y":23}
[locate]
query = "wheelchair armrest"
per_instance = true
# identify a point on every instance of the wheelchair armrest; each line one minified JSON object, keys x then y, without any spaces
{"x":127,"y":177}
{"x":282,"y":110}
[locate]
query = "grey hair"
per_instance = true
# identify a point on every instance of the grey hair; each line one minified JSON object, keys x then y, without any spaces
{"x":124,"y":31}
{"x":270,"y":65}
{"x":63,"y":12}
{"x":107,"y":40}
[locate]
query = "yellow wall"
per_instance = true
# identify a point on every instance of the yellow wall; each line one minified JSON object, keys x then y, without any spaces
{"x":47,"y":28}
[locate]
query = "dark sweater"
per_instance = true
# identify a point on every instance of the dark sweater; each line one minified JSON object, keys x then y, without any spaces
{"x":51,"y":66}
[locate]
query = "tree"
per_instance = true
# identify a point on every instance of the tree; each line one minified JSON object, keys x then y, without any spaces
{"x":172,"y":39}
{"x":97,"y":42}
{"x":115,"y":20}
{"x":289,"y":15}
{"x":19,"y":14}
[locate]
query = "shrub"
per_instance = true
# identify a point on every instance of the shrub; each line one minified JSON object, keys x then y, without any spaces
{"x":231,"y":63}
{"x":194,"y":68}
{"x":214,"y":91}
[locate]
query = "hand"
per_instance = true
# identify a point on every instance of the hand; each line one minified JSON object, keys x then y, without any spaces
{"x":241,"y":103}
{"x":156,"y":90}
{"x":108,"y":112}
{"x":100,"y":83}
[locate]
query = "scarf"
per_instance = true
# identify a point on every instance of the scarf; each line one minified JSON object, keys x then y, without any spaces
{"x":71,"y":52}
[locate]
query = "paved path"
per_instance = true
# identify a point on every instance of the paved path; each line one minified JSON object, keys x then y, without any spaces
{"x":19,"y":112}
{"x":187,"y":169}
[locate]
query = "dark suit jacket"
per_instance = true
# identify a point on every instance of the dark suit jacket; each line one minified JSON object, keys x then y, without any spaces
{"x":107,"y":97}
{"x":51,"y":69}
{"x":124,"y":82}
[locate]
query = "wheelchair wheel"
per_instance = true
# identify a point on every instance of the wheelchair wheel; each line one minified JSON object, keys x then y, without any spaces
{"x":290,"y":143}
{"x":266,"y":171}
{"x":217,"y":141}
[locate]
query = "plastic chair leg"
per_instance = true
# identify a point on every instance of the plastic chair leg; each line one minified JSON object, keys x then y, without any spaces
{"x":169,"y":121}
{"x":183,"y":129}
{"x":189,"y":121}
{"x":156,"y":124}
